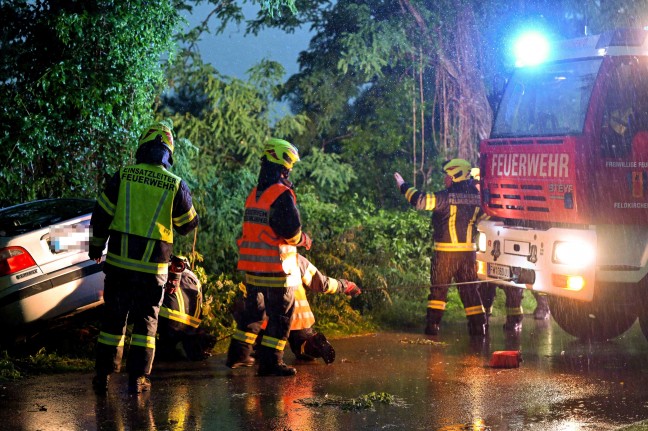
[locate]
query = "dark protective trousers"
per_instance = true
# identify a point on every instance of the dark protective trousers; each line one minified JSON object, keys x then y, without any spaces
{"x":278,"y":305}
{"x":513,"y":300}
{"x":129,"y":297}
{"x":459,"y":267}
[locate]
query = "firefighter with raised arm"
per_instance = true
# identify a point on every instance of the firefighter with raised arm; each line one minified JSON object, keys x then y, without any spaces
{"x":137,"y":214}
{"x":272,"y":231}
{"x":455,"y":213}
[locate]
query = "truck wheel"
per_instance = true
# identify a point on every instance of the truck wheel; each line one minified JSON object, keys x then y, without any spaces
{"x":598,"y":320}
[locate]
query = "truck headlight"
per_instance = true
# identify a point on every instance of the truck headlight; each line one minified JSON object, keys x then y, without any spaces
{"x":572,"y":253}
{"x":481,"y":242}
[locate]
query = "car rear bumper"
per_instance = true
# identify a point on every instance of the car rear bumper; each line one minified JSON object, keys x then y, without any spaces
{"x":52,"y":295}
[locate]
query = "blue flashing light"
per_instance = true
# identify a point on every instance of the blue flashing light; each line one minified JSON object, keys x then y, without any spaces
{"x":530,"y":49}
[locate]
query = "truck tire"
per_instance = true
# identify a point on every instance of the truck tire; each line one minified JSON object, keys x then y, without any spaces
{"x":602,"y":319}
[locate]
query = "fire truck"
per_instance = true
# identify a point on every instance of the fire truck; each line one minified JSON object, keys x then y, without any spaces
{"x":564,"y":179}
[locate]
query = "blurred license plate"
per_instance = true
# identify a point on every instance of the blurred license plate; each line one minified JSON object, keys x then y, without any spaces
{"x":499,"y":271}
{"x":69,"y":238}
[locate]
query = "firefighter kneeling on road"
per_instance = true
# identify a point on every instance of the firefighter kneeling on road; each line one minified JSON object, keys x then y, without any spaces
{"x":305,"y":343}
{"x":179,"y":333}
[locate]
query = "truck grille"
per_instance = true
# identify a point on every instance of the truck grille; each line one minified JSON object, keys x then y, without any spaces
{"x":516,"y":197}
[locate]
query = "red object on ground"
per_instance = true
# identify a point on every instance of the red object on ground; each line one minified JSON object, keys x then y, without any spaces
{"x":506,"y":359}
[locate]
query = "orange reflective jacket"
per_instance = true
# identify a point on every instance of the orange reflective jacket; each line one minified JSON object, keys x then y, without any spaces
{"x":261,"y":251}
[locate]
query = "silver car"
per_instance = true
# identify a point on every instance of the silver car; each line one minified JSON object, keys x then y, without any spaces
{"x":45,"y":271}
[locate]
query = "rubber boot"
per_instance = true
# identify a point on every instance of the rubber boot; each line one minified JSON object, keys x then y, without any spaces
{"x":513,"y":324}
{"x":100,"y":383}
{"x":541,"y":311}
{"x":477,"y":325}
{"x":239,"y":355}
{"x":432,"y":322}
{"x":271,"y":363}
{"x":318,"y":346}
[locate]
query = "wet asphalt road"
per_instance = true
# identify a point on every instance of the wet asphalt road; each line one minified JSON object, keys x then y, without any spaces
{"x":440,"y":383}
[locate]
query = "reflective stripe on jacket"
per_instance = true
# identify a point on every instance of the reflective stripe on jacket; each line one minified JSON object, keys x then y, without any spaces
{"x":184,"y":307}
{"x":303,"y":315}
{"x":269,"y":257}
{"x":456,"y":212}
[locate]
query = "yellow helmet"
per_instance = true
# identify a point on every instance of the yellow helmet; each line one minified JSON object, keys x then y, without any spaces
{"x":281,"y":152}
{"x":458,"y":169}
{"x":161,"y":130}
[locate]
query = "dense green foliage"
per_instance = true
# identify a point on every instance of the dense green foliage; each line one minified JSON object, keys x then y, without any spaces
{"x":77,"y":82}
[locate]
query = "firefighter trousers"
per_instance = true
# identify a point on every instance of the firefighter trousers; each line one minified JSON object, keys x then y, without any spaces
{"x":129,"y":297}
{"x":459,"y":267}
{"x":278,"y":305}
{"x":513,"y":302}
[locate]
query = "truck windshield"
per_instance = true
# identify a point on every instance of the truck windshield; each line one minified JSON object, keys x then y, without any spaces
{"x":546,"y":100}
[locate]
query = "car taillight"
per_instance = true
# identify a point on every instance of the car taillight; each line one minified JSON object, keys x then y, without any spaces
{"x":14,"y":259}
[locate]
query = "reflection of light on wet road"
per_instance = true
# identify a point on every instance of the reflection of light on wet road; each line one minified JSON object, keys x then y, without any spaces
{"x":476,"y":425}
{"x":562,"y":384}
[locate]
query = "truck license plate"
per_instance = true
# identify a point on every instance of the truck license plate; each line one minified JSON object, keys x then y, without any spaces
{"x":499,"y":271}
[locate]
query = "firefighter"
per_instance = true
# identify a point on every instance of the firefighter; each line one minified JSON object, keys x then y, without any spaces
{"x":179,"y":331}
{"x":455,"y":212}
{"x":487,"y":291}
{"x":137,"y":212}
{"x":305,"y":343}
{"x":272,"y":231}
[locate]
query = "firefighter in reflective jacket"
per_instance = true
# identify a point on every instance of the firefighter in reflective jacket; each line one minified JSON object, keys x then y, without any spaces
{"x":137,"y":213}
{"x":455,"y":212}
{"x":179,"y":332}
{"x":268,"y":256}
{"x":305,"y":343}
{"x":487,"y":291}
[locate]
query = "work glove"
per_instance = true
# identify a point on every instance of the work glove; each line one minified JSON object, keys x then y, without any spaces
{"x":305,"y":241}
{"x":399,"y":180}
{"x":95,"y":252}
{"x":176,"y":267}
{"x":350,"y":288}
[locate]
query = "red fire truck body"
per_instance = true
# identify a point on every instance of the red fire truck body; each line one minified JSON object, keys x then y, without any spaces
{"x":565,"y":182}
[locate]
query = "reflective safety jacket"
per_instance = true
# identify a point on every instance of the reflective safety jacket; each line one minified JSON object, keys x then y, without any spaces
{"x":456,"y":211}
{"x":183,"y":309}
{"x":137,"y":213}
{"x":268,"y":259}
{"x":145,"y":209}
{"x":314,"y":280}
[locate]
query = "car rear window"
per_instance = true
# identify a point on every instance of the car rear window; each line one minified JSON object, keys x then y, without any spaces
{"x":35,"y":215}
